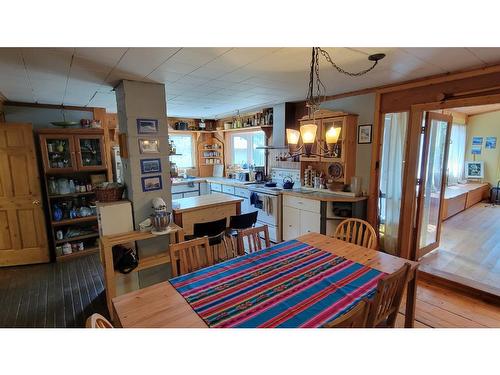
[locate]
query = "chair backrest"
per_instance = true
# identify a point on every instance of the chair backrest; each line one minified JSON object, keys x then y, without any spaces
{"x":210,"y":228}
{"x":253,"y":239}
{"x":387,"y":299}
{"x":97,"y":321}
{"x":355,"y":318}
{"x":358,"y":232}
{"x":189,"y":256}
{"x":243,"y":221}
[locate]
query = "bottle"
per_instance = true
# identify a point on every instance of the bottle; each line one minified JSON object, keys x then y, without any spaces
{"x":72,"y":186}
{"x":53,"y":186}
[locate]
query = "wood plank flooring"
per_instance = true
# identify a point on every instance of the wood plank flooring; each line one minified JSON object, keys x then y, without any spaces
{"x":469,"y":251}
{"x":52,"y":295}
{"x":65,"y":294}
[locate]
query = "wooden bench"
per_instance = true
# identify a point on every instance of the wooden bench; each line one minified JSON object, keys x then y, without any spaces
{"x":458,"y":198}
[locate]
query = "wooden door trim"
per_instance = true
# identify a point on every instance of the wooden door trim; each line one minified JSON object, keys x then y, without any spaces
{"x":419,"y":252}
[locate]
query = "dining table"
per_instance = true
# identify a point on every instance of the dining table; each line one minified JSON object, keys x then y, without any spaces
{"x":297,"y":283}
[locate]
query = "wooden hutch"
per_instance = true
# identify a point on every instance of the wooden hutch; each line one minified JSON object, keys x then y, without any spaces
{"x":72,"y":155}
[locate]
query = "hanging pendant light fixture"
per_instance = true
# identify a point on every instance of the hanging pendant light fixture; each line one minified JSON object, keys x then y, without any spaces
{"x":317,"y":90}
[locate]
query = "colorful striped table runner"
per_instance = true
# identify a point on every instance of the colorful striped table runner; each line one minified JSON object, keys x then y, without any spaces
{"x":291,"y":284}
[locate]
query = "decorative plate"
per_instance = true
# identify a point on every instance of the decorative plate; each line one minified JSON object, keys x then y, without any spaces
{"x":64,"y":124}
{"x":336,"y":170}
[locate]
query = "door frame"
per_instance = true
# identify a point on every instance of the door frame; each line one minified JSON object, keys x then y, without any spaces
{"x":423,"y":180}
{"x":408,"y":241}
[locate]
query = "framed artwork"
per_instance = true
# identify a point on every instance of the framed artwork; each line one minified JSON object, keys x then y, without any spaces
{"x":364,"y":134}
{"x":474,"y":169}
{"x":491,"y":142}
{"x":477,"y":141}
{"x":149,"y":146}
{"x":151,"y":183}
{"x":147,"y":126}
{"x":150,"y":166}
{"x":476,"y":150}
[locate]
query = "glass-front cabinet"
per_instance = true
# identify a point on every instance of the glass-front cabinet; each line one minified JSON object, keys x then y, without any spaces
{"x":58,"y":153}
{"x":90,"y":152}
{"x":72,"y":152}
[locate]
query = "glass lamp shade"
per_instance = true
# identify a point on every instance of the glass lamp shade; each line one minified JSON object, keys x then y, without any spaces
{"x":332,"y":135}
{"x":292,"y":136}
{"x":308,"y":133}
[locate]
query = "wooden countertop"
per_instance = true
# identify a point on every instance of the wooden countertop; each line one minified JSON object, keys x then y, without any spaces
{"x":325,"y":197}
{"x":204,"y":201}
{"x":161,"y":306}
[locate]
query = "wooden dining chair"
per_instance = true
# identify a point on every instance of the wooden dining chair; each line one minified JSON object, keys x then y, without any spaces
{"x":358,"y":232}
{"x":97,"y":321}
{"x":254,"y":241}
{"x":384,"y":307}
{"x":355,"y":318}
{"x":189,"y":256}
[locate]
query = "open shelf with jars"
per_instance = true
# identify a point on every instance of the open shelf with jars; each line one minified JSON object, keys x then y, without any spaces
{"x":210,"y":153}
{"x":72,"y":161}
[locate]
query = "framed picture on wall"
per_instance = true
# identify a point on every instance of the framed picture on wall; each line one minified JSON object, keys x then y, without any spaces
{"x":364,"y":134}
{"x":150,"y":166}
{"x":491,"y":142}
{"x":147,"y":126}
{"x":149,"y":146}
{"x":476,"y":150}
{"x":151,"y":183}
{"x":477,"y":141}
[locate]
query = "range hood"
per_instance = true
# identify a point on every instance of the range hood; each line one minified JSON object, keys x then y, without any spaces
{"x":283,"y":114}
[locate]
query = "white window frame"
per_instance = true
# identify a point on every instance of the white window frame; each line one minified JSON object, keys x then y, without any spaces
{"x":194,"y":155}
{"x":231,"y":145}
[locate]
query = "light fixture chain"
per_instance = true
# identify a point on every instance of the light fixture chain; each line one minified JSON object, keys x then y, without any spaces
{"x":326,"y":55}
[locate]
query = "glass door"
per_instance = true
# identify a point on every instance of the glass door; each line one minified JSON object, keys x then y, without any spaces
{"x":431,"y":178}
{"x":90,"y":152}
{"x":58,"y":153}
{"x":394,"y":133}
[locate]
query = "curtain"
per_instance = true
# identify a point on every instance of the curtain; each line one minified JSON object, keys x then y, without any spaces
{"x":391,"y":179}
{"x":456,"y":155}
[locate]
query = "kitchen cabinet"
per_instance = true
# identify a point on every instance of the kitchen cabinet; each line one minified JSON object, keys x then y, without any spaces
{"x":90,"y":152}
{"x":215,"y":187}
{"x":191,"y":189}
{"x":300,"y":216}
{"x":66,"y":151}
{"x":291,"y":223}
{"x":245,"y":205}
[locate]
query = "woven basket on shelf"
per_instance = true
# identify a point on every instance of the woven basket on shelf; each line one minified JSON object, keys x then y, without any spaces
{"x":109,"y":194}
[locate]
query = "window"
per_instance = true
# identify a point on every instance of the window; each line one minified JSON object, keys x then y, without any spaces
{"x":243,"y":148}
{"x":184,"y":147}
{"x":456,"y":154}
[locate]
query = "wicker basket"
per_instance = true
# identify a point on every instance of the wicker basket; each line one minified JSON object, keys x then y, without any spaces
{"x":109,"y":194}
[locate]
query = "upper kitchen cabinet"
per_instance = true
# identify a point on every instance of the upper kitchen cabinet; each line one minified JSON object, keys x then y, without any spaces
{"x":90,"y":152}
{"x":72,"y":150}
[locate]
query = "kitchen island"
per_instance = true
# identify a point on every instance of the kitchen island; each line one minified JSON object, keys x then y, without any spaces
{"x":204,"y":208}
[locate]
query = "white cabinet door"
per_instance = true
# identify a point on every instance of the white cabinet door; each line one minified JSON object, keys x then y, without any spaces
{"x":246,"y":207}
{"x":204,"y":188}
{"x":291,"y":223}
{"x":309,"y":222}
{"x":177,"y":196}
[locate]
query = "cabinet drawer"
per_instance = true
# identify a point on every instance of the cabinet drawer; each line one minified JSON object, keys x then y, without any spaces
{"x":241,"y":192}
{"x":302,"y":204}
{"x":184,"y":188}
{"x":177,"y":196}
{"x":191,"y":194}
{"x":228,"y":189}
{"x":215,"y":187}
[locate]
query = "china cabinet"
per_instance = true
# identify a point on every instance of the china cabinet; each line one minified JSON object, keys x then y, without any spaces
{"x":70,"y":157}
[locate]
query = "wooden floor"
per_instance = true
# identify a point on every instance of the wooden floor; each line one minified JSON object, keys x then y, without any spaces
{"x":52,"y":295}
{"x":469,"y":251}
{"x":64,"y":294}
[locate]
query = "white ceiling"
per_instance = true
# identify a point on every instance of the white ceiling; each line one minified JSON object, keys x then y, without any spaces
{"x":207,"y":82}
{"x":478,"y":109}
